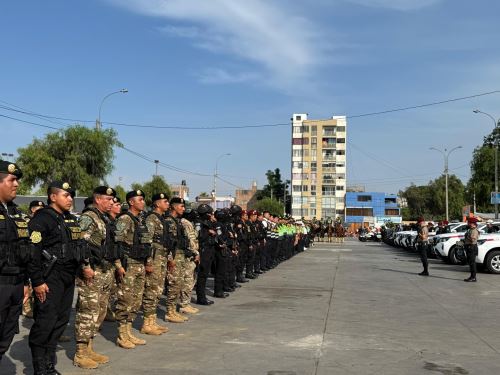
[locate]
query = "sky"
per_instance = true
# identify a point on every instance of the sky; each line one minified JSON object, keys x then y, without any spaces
{"x":199,"y":63}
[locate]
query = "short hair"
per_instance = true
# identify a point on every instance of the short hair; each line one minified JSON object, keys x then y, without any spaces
{"x":2,"y":176}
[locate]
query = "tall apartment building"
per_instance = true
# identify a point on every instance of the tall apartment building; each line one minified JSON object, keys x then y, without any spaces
{"x":318,"y":167}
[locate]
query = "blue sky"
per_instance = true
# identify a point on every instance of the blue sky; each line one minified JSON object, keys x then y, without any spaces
{"x":226,"y":62}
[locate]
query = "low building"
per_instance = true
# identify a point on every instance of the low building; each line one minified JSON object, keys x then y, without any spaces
{"x":365,"y":209}
{"x":221,"y":202}
{"x":246,"y":197}
{"x":180,"y":190}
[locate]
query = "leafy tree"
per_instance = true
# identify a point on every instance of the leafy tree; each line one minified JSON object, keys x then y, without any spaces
{"x":267,"y":204}
{"x":156,"y":185}
{"x":79,"y":155}
{"x":482,"y":181}
{"x":276,"y":188}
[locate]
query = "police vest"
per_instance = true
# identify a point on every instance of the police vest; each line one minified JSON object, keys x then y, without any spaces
{"x":108,"y":251}
{"x":141,"y":247}
{"x":15,"y":248}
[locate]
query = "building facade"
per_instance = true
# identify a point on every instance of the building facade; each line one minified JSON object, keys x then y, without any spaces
{"x":365,"y":209}
{"x":246,"y":197}
{"x":318,"y":167}
{"x":180,"y":190}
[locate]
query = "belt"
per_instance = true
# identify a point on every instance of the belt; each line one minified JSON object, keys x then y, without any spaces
{"x":11,"y":279}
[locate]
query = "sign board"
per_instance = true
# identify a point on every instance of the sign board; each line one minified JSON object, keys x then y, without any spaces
{"x":386,"y":219}
{"x":495,"y":197}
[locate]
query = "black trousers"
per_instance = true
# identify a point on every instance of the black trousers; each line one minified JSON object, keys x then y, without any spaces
{"x":242,"y":259}
{"x":256,"y":258}
{"x":206,"y":260}
{"x":11,"y":305}
{"x":264,"y":251}
{"x":250,"y":260}
{"x":231,"y":264}
{"x":220,"y":270}
{"x":471,"y":259}
{"x":52,"y":316}
{"x":422,"y":247}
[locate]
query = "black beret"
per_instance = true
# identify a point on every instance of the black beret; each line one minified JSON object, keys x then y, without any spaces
{"x":135,"y":193}
{"x":177,"y":200}
{"x":88,"y":201}
{"x":37,"y":204}
{"x":105,"y":190}
{"x":10,"y":168}
{"x":159,"y":196}
{"x":61,"y":185}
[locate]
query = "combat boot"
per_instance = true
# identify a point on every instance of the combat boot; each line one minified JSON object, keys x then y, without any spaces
{"x":82,"y":358}
{"x":159,"y":327}
{"x":148,"y":327}
{"x":188,"y":309}
{"x":132,"y":338}
{"x":183,"y":317}
{"x":39,"y":366}
{"x":123,"y":340}
{"x":96,"y":357}
{"x":172,"y":316}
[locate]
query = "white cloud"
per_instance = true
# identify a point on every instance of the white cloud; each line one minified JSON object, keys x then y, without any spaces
{"x":282,"y":46}
{"x":402,"y":5}
{"x":222,"y":76}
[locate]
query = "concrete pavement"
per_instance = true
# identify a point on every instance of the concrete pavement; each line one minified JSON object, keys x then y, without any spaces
{"x":359,"y":308}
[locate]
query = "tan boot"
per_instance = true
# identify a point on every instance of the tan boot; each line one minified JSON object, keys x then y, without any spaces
{"x":123,"y":340}
{"x":149,"y":328}
{"x":131,"y":337}
{"x":188,"y":309}
{"x":82,"y":358}
{"x":159,"y":327}
{"x":173,"y":317}
{"x":96,"y":357}
{"x":183,"y":317}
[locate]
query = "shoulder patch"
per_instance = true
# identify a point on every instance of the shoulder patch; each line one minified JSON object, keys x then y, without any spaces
{"x":36,"y":237}
{"x":85,"y":222}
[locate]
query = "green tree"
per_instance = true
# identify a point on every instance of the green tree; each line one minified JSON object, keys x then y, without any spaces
{"x":267,"y":204}
{"x":437,"y":198}
{"x":418,"y":201}
{"x":79,"y":155}
{"x":482,"y":181}
{"x":158,"y":184}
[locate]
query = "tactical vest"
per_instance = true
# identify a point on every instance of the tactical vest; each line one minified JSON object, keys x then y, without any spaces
{"x":108,"y":251}
{"x":15,"y":247}
{"x":160,"y":239}
{"x":141,"y":247}
{"x":68,"y":246}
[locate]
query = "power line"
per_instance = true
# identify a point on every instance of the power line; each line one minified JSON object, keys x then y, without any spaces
{"x":177,"y":127}
{"x":29,"y":122}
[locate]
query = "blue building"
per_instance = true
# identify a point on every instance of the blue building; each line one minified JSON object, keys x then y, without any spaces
{"x":371,"y":209}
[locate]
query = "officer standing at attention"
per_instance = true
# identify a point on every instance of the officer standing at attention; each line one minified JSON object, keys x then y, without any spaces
{"x":206,"y":238}
{"x":155,"y":280}
{"x":471,"y":237}
{"x":422,"y":244}
{"x":134,"y":244}
{"x":93,"y":297}
{"x":58,"y":255}
{"x":188,"y":222}
{"x":14,"y":254}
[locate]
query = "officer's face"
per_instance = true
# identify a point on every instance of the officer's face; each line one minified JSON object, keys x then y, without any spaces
{"x":62,"y":200}
{"x":104,"y":202}
{"x":116,"y":208}
{"x":8,"y":188}
{"x":179,"y":209}
{"x":138,"y":203}
{"x":162,"y":204}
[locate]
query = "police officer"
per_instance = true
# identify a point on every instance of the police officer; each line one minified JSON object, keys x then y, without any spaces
{"x":93,"y":297}
{"x":490,"y":228}
{"x":59,"y":253}
{"x":134,"y":243}
{"x":251,"y":219}
{"x":422,"y":244}
{"x":155,"y":280}
{"x":14,"y":255}
{"x":189,"y":222}
{"x":240,"y":229}
{"x":470,"y":241}
{"x":207,"y":241}
{"x":177,"y":268}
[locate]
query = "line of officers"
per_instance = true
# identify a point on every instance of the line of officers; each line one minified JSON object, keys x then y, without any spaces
{"x":123,"y":260}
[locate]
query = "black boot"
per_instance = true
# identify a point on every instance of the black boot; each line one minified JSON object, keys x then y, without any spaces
{"x":470,"y":279}
{"x":204,"y":302}
{"x":51,"y":360}
{"x":241,"y":279}
{"x":221,"y":295}
{"x":39,"y":366}
{"x":250,"y":276}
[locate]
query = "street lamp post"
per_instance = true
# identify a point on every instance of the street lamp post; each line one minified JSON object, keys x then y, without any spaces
{"x":495,"y":124}
{"x":215,"y":179}
{"x":98,"y":122}
{"x":446,"y":154}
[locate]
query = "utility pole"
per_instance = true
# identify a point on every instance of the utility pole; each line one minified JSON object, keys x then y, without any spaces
{"x":156,"y":167}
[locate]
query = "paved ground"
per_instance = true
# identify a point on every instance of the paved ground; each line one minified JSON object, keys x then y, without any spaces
{"x":352,"y":309}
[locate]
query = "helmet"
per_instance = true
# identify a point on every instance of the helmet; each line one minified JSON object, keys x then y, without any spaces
{"x":235,"y":210}
{"x":191,"y":215}
{"x":204,"y":209}
{"x":220,"y":215}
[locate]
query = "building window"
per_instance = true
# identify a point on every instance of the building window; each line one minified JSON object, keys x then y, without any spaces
{"x":328,"y":131}
{"x":312,"y":212}
{"x":305,"y":188}
{"x":361,"y":211}
{"x":364,"y":198}
{"x":314,"y":140}
{"x":328,"y":190}
{"x":297,"y":129}
{"x":340,"y":140}
{"x":313,"y":166}
{"x":314,"y":130}
{"x":328,"y":154}
{"x":340,"y":212}
{"x":298,"y":118}
{"x":305,"y":129}
{"x":390,"y":201}
{"x":296,"y":188}
{"x":340,"y":152}
{"x":340,"y":165}
{"x":391,"y":212}
{"x":340,"y":187}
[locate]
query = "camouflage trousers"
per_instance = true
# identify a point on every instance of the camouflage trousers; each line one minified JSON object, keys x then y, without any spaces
{"x":190,"y":281}
{"x":130,"y":291}
{"x":178,"y":280}
{"x":153,"y":286}
{"x":92,"y":303}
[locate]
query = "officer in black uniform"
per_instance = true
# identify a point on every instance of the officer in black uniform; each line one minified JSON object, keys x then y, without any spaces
{"x":14,"y":254}
{"x":239,"y":228}
{"x":58,"y":255}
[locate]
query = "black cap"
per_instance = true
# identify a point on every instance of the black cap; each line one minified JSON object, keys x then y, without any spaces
{"x":62,"y":186}
{"x":158,"y":196}
{"x":177,"y":200}
{"x":105,"y":190}
{"x":204,"y":209}
{"x":36,"y":204}
{"x":10,"y":168}
{"x":135,"y":193}
{"x":88,"y":201}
